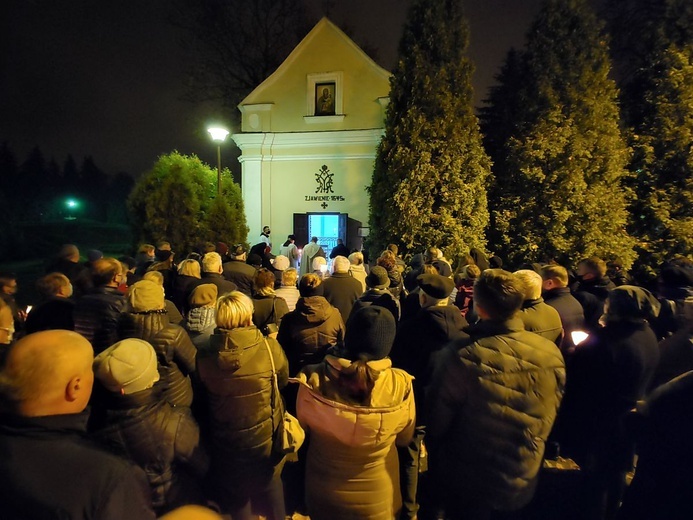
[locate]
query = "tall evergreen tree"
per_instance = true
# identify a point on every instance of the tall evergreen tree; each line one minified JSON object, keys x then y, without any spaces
{"x":428,"y":185}
{"x":663,"y":208}
{"x":658,"y":107}
{"x":563,"y":193}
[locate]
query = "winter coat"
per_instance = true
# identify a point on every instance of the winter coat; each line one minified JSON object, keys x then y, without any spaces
{"x":268,"y":309}
{"x":236,"y":373}
{"x":607,"y":375}
{"x":339,"y":250}
{"x":183,"y":285}
{"x":53,"y":313}
{"x":661,"y":488}
{"x":307,"y":332}
{"x":55,"y":471}
{"x":352,"y":468}
{"x":542,"y":319}
{"x":491,"y":404}
{"x":223,"y":285}
{"x":174,"y":351}
{"x":381,"y":297}
{"x":570,"y":311}
{"x":96,"y":316}
{"x":341,"y":290}
{"x":419,"y":339}
{"x":162,"y":440}
{"x":592,"y":294}
{"x":290,"y":296}
{"x":358,"y":272}
{"x":241,"y":274}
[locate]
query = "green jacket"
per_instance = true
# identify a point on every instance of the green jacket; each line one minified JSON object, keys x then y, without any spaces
{"x":491,"y":405}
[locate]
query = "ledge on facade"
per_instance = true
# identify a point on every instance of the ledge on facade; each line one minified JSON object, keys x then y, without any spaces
{"x":324,"y":119}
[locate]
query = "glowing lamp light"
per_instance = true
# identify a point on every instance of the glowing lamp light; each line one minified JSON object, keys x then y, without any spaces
{"x":578,"y":336}
{"x":71,"y":203}
{"x":218,"y":134}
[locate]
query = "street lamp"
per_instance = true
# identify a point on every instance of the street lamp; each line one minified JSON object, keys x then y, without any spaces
{"x":219,"y":135}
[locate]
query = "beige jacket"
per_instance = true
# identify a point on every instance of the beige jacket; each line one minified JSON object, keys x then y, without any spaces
{"x":352,"y":467}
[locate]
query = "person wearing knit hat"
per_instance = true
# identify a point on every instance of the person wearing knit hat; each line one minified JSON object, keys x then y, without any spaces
{"x":377,"y":278}
{"x":200,"y":320}
{"x":146,"y":296}
{"x":127,"y":367}
{"x":378,"y":282}
{"x":362,"y":394}
{"x":163,"y":440}
{"x":148,"y":319}
{"x":370,"y":334}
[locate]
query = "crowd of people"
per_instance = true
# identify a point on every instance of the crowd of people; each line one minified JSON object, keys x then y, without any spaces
{"x":142,"y":387}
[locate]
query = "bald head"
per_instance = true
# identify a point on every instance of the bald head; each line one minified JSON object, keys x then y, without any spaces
{"x":48,"y":373}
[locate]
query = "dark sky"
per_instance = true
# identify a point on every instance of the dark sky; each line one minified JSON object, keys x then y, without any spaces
{"x":105,"y":78}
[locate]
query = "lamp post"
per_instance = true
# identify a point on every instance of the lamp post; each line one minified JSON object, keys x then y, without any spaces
{"x":219,"y":136}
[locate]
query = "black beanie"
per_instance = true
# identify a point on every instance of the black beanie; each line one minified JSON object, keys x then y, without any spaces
{"x":370,"y":334}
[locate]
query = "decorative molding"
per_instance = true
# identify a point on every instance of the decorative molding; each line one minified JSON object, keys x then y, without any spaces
{"x":311,"y":120}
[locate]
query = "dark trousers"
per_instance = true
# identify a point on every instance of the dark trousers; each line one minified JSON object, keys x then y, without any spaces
{"x":409,"y":473}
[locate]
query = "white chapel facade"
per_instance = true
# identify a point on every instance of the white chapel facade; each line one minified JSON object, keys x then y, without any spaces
{"x":308,"y":140}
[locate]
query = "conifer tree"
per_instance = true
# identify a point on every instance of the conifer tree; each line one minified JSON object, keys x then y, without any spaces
{"x":663,"y":209}
{"x":174,"y":201}
{"x":658,"y":101}
{"x":562,"y":195}
{"x":428,"y":185}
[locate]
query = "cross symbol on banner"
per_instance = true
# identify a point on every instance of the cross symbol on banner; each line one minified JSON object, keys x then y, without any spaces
{"x":324,"y":205}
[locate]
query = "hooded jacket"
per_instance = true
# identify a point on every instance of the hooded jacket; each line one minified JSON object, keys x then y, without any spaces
{"x":352,"y":468}
{"x":309,"y":330}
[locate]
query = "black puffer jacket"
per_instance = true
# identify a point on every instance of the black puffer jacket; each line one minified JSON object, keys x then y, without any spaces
{"x":236,"y":373}
{"x":309,"y":330}
{"x":492,"y":402}
{"x":174,"y":350}
{"x":96,"y":316}
{"x":162,"y":440}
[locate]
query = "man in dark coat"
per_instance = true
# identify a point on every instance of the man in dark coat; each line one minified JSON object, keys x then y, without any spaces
{"x":51,"y":470}
{"x":339,"y":250}
{"x":56,"y":308}
{"x":537,"y":316}
{"x":97,"y":313}
{"x":377,"y":293}
{"x":212,"y":270}
{"x":418,"y":339}
{"x":341,"y":289}
{"x":593,"y":289}
{"x":492,"y":402}
{"x":238,"y":271}
{"x":556,"y":293}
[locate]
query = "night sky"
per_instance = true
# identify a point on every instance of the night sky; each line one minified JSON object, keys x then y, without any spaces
{"x":106,"y":78}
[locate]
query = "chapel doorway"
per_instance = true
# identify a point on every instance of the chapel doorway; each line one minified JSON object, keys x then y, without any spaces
{"x":328,"y":227}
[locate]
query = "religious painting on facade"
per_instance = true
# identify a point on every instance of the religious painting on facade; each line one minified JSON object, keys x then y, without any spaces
{"x":324,"y":99}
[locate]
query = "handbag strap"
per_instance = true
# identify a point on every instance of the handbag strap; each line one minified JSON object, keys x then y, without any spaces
{"x":275,"y":385}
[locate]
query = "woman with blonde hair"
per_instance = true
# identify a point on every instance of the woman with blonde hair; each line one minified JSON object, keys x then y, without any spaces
{"x":236,"y":373}
{"x":187,"y":279}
